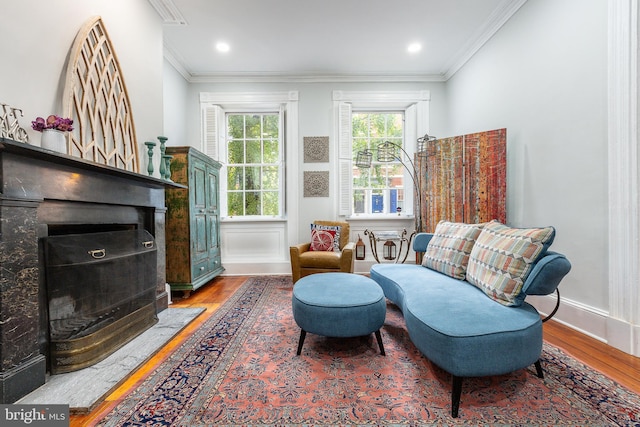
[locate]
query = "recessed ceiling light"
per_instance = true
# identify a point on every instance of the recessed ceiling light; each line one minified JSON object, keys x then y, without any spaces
{"x":222,"y":47}
{"x":414,"y":47}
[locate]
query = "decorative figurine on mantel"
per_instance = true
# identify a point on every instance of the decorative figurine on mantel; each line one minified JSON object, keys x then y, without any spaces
{"x":150,"y":145}
{"x":167,"y":162}
{"x":9,"y":126}
{"x":163,"y":169}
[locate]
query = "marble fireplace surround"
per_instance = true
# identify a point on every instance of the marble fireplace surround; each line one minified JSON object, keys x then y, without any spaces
{"x":41,"y":191}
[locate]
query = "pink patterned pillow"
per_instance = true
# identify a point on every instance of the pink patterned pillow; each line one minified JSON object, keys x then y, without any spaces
{"x":325,"y":238}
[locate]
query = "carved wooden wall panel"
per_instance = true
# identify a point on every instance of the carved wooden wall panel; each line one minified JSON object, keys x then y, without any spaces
{"x":464,"y":179}
{"x":485,"y":176}
{"x":96,"y":98}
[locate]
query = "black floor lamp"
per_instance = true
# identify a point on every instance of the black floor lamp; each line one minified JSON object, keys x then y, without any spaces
{"x":388,"y":152}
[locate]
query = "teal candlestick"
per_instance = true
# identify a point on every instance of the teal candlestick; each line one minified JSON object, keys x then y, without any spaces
{"x":150,"y":145}
{"x":167,"y":161}
{"x":163,"y":168}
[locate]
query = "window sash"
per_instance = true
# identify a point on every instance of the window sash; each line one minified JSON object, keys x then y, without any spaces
{"x":252,"y":195}
{"x":213,"y":133}
{"x":415,"y":105}
{"x":381,"y":194}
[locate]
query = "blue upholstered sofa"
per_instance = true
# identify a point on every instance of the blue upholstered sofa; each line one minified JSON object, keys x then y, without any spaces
{"x":467,"y":329}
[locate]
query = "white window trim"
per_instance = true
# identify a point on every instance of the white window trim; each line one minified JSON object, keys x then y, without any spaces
{"x":213,"y":106}
{"x":415,"y":105}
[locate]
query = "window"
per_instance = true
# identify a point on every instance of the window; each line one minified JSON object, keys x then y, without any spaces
{"x":253,"y":164}
{"x":247,"y":133}
{"x":380,"y":188}
{"x":378,"y":192}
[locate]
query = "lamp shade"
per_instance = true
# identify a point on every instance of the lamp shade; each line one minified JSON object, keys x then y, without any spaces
{"x":363,"y":159}
{"x":387,"y":152}
{"x":425,"y":146}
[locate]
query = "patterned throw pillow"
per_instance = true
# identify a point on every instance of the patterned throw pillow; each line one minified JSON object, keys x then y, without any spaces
{"x":325,"y":238}
{"x":502,"y":258}
{"x":449,"y":248}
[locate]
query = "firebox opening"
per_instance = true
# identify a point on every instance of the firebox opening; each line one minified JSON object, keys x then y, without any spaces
{"x":100,"y":289}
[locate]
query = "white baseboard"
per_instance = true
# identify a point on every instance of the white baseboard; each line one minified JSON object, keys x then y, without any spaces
{"x":256,"y":268}
{"x":592,"y":321}
{"x":585,"y":319}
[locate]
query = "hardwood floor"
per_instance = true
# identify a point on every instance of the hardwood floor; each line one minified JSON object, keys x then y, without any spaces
{"x":619,"y":366}
{"x":210,"y":297}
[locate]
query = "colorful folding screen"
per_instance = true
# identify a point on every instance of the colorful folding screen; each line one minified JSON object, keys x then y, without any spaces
{"x":463,"y":179}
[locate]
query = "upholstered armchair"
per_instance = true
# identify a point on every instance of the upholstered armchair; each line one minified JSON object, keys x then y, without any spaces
{"x":305,"y":261}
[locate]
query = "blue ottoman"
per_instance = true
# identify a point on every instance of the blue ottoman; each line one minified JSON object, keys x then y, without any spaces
{"x":338,"y":305}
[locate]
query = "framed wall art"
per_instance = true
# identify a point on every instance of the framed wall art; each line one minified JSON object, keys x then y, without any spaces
{"x":316,"y":184}
{"x":316,"y":149}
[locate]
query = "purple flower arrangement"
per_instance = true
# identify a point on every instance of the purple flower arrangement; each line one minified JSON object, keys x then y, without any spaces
{"x":52,"y":122}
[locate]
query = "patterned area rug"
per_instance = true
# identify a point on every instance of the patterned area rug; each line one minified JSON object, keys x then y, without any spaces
{"x":240,"y":369}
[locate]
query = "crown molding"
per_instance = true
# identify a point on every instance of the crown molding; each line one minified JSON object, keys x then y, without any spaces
{"x":311,"y":78}
{"x":176,"y":63}
{"x":496,"y":21}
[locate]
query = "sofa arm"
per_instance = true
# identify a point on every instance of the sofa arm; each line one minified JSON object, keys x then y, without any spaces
{"x":546,"y":274}
{"x":421,"y":241}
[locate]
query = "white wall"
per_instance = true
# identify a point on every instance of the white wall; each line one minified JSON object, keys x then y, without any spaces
{"x":176,"y":90}
{"x":315,"y":115}
{"x":37,"y":37}
{"x":544,"y":78}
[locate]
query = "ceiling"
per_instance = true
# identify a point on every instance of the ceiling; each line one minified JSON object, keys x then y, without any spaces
{"x":363,"y":40}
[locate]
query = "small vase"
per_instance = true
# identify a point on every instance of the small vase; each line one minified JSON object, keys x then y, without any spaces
{"x":54,"y":140}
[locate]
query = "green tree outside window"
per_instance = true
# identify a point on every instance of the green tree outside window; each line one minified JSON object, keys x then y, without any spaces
{"x":253,"y":164}
{"x":372,"y":187}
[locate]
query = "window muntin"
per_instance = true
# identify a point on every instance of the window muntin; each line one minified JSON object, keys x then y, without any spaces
{"x":379,"y":189}
{"x":254,"y":158}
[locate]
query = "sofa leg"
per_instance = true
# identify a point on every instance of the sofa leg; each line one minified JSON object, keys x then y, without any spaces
{"x":303,"y":334}
{"x":379,"y":338}
{"x":456,"y":392}
{"x":539,"y":370}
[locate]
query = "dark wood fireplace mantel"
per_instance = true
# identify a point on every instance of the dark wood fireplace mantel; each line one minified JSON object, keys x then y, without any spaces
{"x":42,"y":191}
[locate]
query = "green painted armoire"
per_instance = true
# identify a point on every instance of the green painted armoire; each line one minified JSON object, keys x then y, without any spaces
{"x":193,"y":220}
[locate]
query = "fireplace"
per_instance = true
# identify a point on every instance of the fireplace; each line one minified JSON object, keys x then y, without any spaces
{"x":101,"y":293}
{"x":46,"y":195}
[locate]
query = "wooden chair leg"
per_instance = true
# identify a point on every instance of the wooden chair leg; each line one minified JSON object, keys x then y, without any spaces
{"x":456,"y":392}
{"x":303,"y":334}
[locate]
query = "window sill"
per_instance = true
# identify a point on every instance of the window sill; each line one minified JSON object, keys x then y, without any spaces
{"x":382,"y":217}
{"x":252,"y":219}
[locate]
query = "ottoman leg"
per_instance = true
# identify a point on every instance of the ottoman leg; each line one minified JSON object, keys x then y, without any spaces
{"x":456,"y":392}
{"x":379,"y":338}
{"x":303,"y":334}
